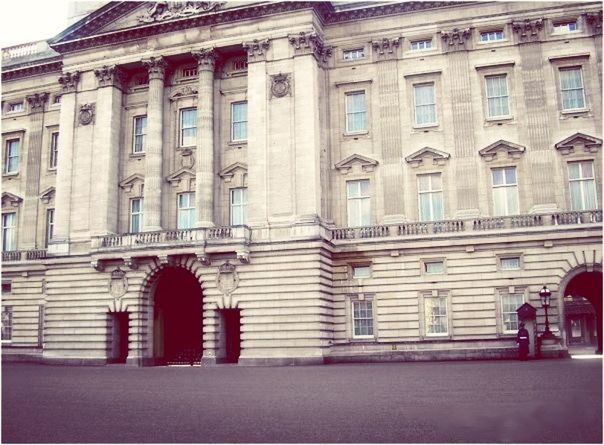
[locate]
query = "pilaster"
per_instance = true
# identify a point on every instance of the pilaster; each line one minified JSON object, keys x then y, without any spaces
{"x":60,"y":242}
{"x":204,"y":173}
{"x":156,"y":67}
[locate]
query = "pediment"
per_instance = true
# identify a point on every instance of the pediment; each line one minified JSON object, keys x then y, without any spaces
{"x":185,"y":91}
{"x":9,"y":198}
{"x":590,"y":144}
{"x":180,"y":174}
{"x":47,"y":195}
{"x":512,"y":150}
{"x":438,"y":157}
{"x":227,"y":173}
{"x":131,"y":180}
{"x":367,"y":164}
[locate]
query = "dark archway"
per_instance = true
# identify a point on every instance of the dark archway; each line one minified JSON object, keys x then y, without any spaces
{"x":177,"y":318}
{"x":589,"y":286}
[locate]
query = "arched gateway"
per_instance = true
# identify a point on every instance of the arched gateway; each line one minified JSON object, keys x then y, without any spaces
{"x":175,"y":317}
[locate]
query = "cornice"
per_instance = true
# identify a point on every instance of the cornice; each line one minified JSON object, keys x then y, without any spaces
{"x":51,"y":66}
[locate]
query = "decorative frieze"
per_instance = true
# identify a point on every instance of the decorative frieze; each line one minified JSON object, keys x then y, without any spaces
{"x":86,"y":114}
{"x":528,"y":30}
{"x":206,"y":58}
{"x":69,"y":81}
{"x":156,"y":66}
{"x":386,"y":48}
{"x":37,"y":101}
{"x":310,"y":43}
{"x":110,"y":76}
{"x":594,"y":20}
{"x":161,"y":11}
{"x":256,"y":49}
{"x":456,"y":39}
{"x":281,"y":85}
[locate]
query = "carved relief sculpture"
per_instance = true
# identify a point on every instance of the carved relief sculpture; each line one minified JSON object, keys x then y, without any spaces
{"x":528,"y":29}
{"x":386,"y":47}
{"x":118,"y":283}
{"x":161,"y":11}
{"x":69,"y":81}
{"x":310,"y":43}
{"x":456,"y":38}
{"x":256,"y":49}
{"x":86,"y":115}
{"x":594,"y":20}
{"x":109,"y":76}
{"x":37,"y":101}
{"x":281,"y":85}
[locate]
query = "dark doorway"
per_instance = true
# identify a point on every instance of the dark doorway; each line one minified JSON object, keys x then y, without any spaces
{"x":231,"y":328}
{"x":118,"y":348}
{"x":584,"y":290}
{"x":177,"y":318}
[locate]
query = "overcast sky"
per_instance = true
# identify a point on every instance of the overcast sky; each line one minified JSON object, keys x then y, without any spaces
{"x":23,"y":21}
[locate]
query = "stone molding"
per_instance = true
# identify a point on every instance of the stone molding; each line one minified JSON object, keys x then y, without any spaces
{"x":206,"y":58}
{"x":12,"y":199}
{"x":156,"y":66}
{"x":594,"y":20}
{"x":306,"y":43}
{"x":528,"y":30}
{"x":69,"y":81}
{"x":186,"y":91}
{"x":36,"y":101}
{"x":256,"y":49}
{"x":227,"y":173}
{"x":110,"y":75}
{"x":514,"y":151}
{"x":367,"y":164}
{"x":456,"y":39}
{"x":128,"y":183}
{"x":386,"y":48}
{"x":47,"y":195}
{"x":175,"y":178}
{"x":417,"y":158}
{"x":590,"y":144}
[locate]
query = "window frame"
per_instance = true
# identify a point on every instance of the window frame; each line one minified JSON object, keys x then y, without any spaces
{"x":13,"y":232}
{"x":233,"y":122}
{"x":503,"y":257}
{"x":507,"y":96}
{"x":140,"y":213}
{"x":355,"y":266}
{"x":50,"y":224}
{"x":53,"y":158}
{"x":502,"y":293}
{"x":558,"y":26}
{"x":492,"y":32}
{"x":346,"y":51}
{"x":582,"y":180}
{"x":562,"y":91}
{"x":368,"y":300}
{"x":8,"y":309}
{"x":433,"y":123}
{"x":364,"y":112}
{"x":505,"y":186}
{"x":191,"y":210}
{"x":430,"y":193}
{"x":9,"y":109}
{"x":418,"y":41}
{"x":8,"y":157}
{"x":142,"y":135}
{"x":182,"y":128}
{"x":350,"y":200}
{"x":241,"y":205}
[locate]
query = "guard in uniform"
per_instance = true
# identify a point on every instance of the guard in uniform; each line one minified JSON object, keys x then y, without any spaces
{"x":522,"y":338}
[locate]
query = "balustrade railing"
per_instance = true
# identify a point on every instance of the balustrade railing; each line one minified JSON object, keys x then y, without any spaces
{"x":473,"y":225}
{"x":29,"y":255}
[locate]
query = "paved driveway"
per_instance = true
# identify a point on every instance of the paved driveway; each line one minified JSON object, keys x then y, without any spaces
{"x":492,"y":401}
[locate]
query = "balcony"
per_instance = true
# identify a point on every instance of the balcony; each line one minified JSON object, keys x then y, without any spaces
{"x":467,"y":226}
{"x":23,"y":255}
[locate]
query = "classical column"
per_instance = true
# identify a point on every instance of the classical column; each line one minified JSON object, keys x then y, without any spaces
{"x":204,"y":172}
{"x":257,"y":144}
{"x":105,"y":151}
{"x":60,"y":242}
{"x":153,"y":152}
{"x":32,"y":174}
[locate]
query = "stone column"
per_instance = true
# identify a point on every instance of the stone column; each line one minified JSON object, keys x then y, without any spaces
{"x":105,"y":151}
{"x":153,"y":155}
{"x":204,"y":172}
{"x":386,"y":52}
{"x":60,"y":242}
{"x":32,"y":174}
{"x":257,"y":145}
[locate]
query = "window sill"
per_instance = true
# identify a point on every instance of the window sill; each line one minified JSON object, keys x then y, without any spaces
{"x":364,"y":339}
{"x":137,"y":155}
{"x":492,"y":121}
{"x":237,"y":144}
{"x":52,"y":170}
{"x":573,"y":114}
{"x":15,"y":113}
{"x":10,"y":174}
{"x":490,"y":42}
{"x":186,"y":147}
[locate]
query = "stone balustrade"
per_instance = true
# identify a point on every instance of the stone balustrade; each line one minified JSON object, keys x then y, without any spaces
{"x":472,"y":225}
{"x":23,"y":255}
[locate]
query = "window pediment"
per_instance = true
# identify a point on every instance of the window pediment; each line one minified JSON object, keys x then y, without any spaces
{"x":228,"y":172}
{"x":513,"y":151}
{"x":47,"y":195}
{"x":186,"y":91}
{"x":9,"y":198}
{"x":366,"y":164}
{"x":132,"y":180}
{"x":590,"y":144}
{"x":179,"y":175}
{"x":438,"y":157}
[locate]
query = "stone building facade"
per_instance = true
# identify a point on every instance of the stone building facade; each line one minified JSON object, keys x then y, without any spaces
{"x":300,"y":182}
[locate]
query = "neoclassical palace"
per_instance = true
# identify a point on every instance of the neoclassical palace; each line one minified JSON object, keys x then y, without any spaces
{"x":303,"y":182}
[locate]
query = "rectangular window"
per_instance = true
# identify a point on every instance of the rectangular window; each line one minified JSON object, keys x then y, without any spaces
{"x":418,"y":45}
{"x":186,"y":210}
{"x":189,"y":71}
{"x":140,"y":134}
{"x":361,"y":272}
{"x":7,"y":287}
{"x":497,"y":96}
{"x":568,"y":26}
{"x":509,"y":304}
{"x":239,"y":121}
{"x":491,"y":36}
{"x":57,"y":99}
{"x":436,"y":315}
{"x":12,"y":153}
{"x":430,"y":193}
{"x":505,"y":191}
{"x":354,"y":54}
{"x":435,"y":267}
{"x":510,"y":263}
{"x":571,"y":89}
{"x":362,"y":319}
{"x":359,"y":203}
{"x":239,"y":206}
{"x":582,"y":185}
{"x":15,"y":107}
{"x":188,"y":127}
{"x":356,"y":112}
{"x":7,"y":323}
{"x":9,"y":229}
{"x":136,"y":215}
{"x":50,"y":224}
{"x":425,"y":104}
{"x":54,"y":150}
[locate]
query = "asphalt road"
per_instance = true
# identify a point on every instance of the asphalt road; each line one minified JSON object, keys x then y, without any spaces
{"x":492,"y":401}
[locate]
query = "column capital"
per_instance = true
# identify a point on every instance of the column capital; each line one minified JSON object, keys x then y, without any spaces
{"x":310,"y":43}
{"x":594,"y":19}
{"x":206,"y":58}
{"x":36,"y":101}
{"x":386,"y":48}
{"x":256,"y":49}
{"x":69,"y":81}
{"x":528,"y":30}
{"x":109,"y":75}
{"x":156,"y":66}
{"x":456,"y":39}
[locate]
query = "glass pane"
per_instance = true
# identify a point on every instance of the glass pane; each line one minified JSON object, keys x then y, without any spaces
{"x":136,"y":205}
{"x":589,"y":189}
{"x":364,"y":187}
{"x":512,"y":200}
{"x":574,"y":170}
{"x":497,"y":176}
{"x":510,"y":263}
{"x":423,"y":182}
{"x":353,"y":189}
{"x":424,"y":207}
{"x":424,"y":95}
{"x":510,"y":175}
{"x":365,"y":212}
{"x":576,"y":201}
{"x":499,"y":202}
{"x":437,"y":206}
{"x":587,"y":169}
{"x":434,"y":267}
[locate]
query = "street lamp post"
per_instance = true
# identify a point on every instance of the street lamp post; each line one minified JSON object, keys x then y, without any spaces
{"x":545,"y":295}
